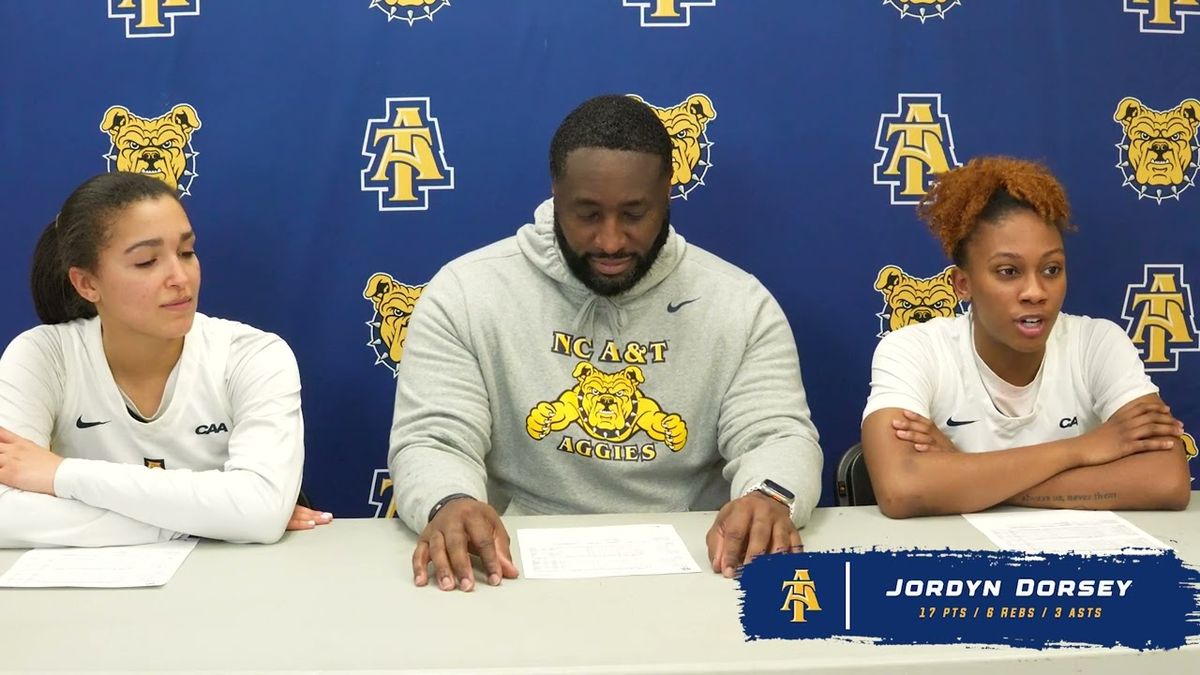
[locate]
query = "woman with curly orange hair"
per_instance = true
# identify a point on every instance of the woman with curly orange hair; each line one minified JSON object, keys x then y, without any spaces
{"x":1014,"y":402}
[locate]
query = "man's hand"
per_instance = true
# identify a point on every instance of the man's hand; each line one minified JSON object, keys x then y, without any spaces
{"x":922,"y":433}
{"x":1140,"y":427}
{"x":25,"y":465}
{"x":304,"y":518}
{"x":463,"y":527}
{"x":747,"y":526}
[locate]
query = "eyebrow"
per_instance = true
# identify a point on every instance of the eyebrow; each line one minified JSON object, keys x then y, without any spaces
{"x":1014,"y":256}
{"x":158,"y":241}
{"x":586,"y":201}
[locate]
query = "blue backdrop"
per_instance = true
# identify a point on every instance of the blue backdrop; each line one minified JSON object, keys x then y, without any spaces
{"x":331,"y":153}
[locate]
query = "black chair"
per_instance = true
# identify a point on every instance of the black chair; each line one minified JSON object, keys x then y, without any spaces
{"x":852,"y":484}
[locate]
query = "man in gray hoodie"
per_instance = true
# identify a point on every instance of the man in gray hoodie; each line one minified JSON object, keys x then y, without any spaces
{"x":598,"y":363}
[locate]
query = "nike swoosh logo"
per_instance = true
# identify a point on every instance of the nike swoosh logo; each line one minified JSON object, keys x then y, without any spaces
{"x":80,"y":424}
{"x":672,"y":308}
{"x":951,"y":422}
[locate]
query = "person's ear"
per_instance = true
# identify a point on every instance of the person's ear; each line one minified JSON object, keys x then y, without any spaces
{"x":85,"y":284}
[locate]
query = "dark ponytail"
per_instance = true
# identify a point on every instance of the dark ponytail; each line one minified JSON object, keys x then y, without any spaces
{"x":76,"y":236}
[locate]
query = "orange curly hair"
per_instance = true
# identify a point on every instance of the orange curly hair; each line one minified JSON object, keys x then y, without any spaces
{"x":986,"y":189}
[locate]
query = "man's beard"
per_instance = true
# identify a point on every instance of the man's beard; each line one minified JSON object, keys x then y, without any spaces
{"x":604,"y":285}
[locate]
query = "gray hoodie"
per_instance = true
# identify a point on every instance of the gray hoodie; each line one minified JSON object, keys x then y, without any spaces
{"x":520,"y":386}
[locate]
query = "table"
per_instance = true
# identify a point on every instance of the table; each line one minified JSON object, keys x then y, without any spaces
{"x":341,"y":599}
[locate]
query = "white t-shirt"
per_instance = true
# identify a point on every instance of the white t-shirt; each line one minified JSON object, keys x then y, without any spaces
{"x":1090,"y":370}
{"x":230,"y":438}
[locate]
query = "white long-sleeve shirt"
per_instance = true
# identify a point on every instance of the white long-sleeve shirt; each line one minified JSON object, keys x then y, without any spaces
{"x":222,"y":459}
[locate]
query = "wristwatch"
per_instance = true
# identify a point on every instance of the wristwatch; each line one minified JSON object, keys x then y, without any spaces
{"x":775,"y":491}
{"x":446,"y":500}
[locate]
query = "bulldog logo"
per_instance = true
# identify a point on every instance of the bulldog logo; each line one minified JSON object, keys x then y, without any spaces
{"x":908,"y":299}
{"x":609,"y":407}
{"x":1157,"y":156}
{"x":160,"y":147}
{"x":394,"y":303}
{"x":1189,"y":446}
{"x":411,"y":11}
{"x":687,"y":123}
{"x":922,"y":9}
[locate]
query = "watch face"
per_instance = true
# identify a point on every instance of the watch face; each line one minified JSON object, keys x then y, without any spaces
{"x":779,"y":488}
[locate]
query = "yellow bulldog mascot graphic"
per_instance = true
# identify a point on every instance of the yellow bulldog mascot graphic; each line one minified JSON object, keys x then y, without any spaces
{"x":409,"y":10}
{"x":158,"y":147}
{"x":922,"y":9}
{"x":1189,"y":446}
{"x":687,"y":124}
{"x":908,"y":299}
{"x":609,"y":407}
{"x":394,"y":303}
{"x":1158,"y":153}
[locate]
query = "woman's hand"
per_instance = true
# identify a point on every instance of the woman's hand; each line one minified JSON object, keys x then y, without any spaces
{"x":25,"y":465}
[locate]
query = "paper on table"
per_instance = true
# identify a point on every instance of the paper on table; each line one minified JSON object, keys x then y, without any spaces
{"x":1063,"y":531}
{"x":610,"y":551}
{"x":104,"y":567}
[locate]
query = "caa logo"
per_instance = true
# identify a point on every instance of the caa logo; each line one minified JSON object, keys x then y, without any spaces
{"x":411,"y":11}
{"x":691,"y":151}
{"x":922,"y":9}
{"x":205,"y":429}
{"x":151,"y":18}
{"x":908,"y":300}
{"x":667,"y":13}
{"x":1157,"y":156}
{"x":1162,"y":16}
{"x":394,"y":303}
{"x":381,"y":494}
{"x":916,"y":144}
{"x":160,"y":147}
{"x":1160,"y":319}
{"x":407,"y":158}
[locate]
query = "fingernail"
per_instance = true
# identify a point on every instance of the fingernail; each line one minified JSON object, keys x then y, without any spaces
{"x":728,"y":572}
{"x":494,"y":579}
{"x":312,"y":523}
{"x":446,"y":583}
{"x":465,"y":584}
{"x":327,"y":516}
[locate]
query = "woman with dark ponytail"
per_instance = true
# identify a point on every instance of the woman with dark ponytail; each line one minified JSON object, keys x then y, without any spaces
{"x":128,"y":417}
{"x":1014,"y":402}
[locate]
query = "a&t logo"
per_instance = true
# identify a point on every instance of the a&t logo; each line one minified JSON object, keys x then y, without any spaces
{"x":915,"y":144}
{"x":381,"y":494}
{"x":1160,"y":319}
{"x":801,"y":596}
{"x":691,"y":151}
{"x":407,"y":156}
{"x":151,"y":18}
{"x":411,"y":11}
{"x":667,"y":13}
{"x":922,"y":9}
{"x":1163,"y":16}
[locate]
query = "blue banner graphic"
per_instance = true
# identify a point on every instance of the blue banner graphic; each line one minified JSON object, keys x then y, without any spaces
{"x":1141,"y":601}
